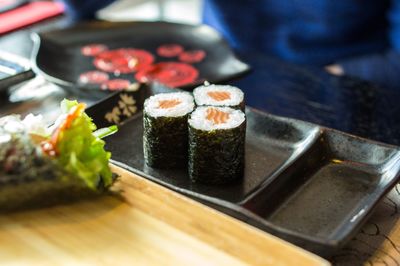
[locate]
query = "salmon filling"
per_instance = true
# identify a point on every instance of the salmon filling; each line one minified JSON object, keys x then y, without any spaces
{"x":217,"y":116}
{"x":166,"y":104}
{"x":219,"y":95}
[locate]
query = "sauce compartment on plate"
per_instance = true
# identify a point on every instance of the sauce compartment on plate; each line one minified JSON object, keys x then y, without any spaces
{"x":330,"y":187}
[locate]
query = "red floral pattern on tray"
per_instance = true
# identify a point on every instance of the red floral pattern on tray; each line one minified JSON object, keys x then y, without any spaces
{"x":115,"y":84}
{"x":93,"y":49}
{"x":194,"y":56}
{"x":112,"y":66}
{"x":93,"y":77}
{"x":171,"y":74}
{"x":169,"y":50}
{"x":125,"y":60}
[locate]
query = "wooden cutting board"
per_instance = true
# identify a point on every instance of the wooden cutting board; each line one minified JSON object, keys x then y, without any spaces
{"x":147,"y":225}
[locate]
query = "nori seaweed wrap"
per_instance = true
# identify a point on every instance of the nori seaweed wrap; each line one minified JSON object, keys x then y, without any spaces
{"x":220,"y":96}
{"x":41,"y":166}
{"x":216,"y":145}
{"x":165,"y":136}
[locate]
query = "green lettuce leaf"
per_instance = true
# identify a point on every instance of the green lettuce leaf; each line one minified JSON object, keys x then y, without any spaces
{"x":81,"y":152}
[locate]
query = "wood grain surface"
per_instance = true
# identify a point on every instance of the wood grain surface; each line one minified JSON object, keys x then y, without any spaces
{"x":147,"y":225}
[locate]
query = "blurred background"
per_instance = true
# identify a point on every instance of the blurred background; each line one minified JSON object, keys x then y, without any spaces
{"x":183,"y":11}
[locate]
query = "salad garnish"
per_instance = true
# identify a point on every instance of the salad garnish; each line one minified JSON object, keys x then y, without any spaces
{"x":77,"y":146}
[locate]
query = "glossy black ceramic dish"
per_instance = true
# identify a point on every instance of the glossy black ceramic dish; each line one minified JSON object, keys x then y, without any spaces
{"x":310,"y":185}
{"x":58,"y":54}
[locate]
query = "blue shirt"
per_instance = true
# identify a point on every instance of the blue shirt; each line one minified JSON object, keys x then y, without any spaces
{"x":363,"y":36}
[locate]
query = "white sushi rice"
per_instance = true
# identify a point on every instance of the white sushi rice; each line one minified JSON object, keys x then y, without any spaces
{"x":201,"y":96}
{"x":198,"y":119}
{"x":186,"y":105}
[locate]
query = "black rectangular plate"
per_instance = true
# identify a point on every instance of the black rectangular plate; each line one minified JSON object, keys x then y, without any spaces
{"x":310,"y":185}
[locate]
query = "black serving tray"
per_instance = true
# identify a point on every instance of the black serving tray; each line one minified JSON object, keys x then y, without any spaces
{"x":310,"y":185}
{"x":57,"y":54}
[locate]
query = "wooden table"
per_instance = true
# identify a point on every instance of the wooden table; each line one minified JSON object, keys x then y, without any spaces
{"x":145,"y":225}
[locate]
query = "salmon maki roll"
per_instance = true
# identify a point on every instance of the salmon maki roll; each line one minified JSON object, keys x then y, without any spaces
{"x":216,"y":144}
{"x":219,"y":95}
{"x":165,"y":137}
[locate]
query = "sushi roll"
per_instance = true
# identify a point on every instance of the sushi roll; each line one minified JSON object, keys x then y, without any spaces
{"x":41,"y":166}
{"x":165,"y":136}
{"x":219,"y":95}
{"x":216,"y":144}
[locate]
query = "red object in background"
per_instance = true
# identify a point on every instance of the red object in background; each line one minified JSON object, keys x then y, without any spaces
{"x":93,"y":49}
{"x":172,"y":74}
{"x":169,"y":50}
{"x":124,"y":60}
{"x":28,"y":14}
{"x":116,"y":84}
{"x":6,"y":2}
{"x":193,"y":56}
{"x":93,"y":77}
